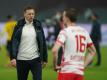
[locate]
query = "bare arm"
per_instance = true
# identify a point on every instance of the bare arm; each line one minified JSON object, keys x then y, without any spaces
{"x":55,"y":54}
{"x":91,"y":53}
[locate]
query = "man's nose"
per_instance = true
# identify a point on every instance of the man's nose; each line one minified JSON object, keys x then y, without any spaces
{"x":31,"y":15}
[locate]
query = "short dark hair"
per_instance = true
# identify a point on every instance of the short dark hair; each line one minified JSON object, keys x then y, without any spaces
{"x":71,"y":14}
{"x":9,"y":16}
{"x":28,"y":8}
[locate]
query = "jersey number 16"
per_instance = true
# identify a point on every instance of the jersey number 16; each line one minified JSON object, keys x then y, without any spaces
{"x":80,"y":43}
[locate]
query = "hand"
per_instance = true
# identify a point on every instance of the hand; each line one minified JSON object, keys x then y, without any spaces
{"x":44,"y":64}
{"x":13,"y":62}
{"x":57,"y":68}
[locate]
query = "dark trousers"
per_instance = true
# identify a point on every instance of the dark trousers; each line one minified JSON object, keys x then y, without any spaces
{"x":97,"y":46}
{"x":24,"y":66}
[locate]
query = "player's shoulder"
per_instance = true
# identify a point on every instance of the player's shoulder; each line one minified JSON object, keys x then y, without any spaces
{"x":14,"y":22}
{"x":66,"y":30}
{"x":7,"y":24}
{"x":82,"y":29}
{"x":63,"y":30}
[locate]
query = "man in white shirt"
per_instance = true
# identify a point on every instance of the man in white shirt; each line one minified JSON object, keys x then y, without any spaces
{"x":75,"y":41}
{"x":29,"y":50}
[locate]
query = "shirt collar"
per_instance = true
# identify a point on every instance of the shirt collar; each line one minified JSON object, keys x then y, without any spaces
{"x":27,"y":22}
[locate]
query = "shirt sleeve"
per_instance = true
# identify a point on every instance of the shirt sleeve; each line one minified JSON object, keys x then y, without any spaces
{"x":89,"y":41}
{"x":61,"y":37}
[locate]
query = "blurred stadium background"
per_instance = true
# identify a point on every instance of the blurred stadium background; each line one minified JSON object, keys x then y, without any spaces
{"x":46,"y":10}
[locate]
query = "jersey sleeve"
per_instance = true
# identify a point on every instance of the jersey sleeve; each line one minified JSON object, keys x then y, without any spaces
{"x":89,"y":41}
{"x":61,"y":37}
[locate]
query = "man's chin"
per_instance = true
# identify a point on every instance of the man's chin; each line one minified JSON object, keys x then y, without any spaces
{"x":30,"y":20}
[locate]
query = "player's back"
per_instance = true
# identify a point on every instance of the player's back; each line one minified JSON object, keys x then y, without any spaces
{"x":75,"y":41}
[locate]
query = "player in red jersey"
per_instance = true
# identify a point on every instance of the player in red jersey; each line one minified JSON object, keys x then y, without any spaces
{"x":75,"y":41}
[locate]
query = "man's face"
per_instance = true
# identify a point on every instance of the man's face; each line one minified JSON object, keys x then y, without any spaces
{"x":93,"y":18}
{"x":29,"y":15}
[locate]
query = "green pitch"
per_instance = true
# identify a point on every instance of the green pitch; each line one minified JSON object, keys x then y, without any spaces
{"x":91,"y":73}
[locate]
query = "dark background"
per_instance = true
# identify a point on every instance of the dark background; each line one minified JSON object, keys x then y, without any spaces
{"x":47,"y":8}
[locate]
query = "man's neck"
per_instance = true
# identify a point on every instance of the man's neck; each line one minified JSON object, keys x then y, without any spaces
{"x":28,"y":22}
{"x":71,"y":24}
